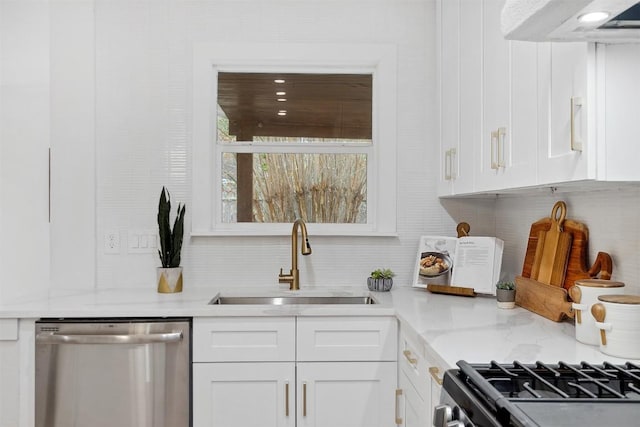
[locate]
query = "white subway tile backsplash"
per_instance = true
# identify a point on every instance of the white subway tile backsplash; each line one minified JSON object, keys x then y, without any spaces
{"x":143,"y":98}
{"x":121,"y":97}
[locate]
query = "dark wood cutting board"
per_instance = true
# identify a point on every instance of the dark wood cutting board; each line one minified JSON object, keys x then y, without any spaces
{"x":577,"y":265}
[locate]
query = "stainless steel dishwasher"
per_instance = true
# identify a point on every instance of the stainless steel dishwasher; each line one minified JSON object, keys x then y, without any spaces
{"x":113,"y":372}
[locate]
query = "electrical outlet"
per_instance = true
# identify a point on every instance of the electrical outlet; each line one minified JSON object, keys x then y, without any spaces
{"x":112,"y":242}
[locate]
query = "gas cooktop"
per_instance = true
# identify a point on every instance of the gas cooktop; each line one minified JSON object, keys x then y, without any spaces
{"x":542,"y":394}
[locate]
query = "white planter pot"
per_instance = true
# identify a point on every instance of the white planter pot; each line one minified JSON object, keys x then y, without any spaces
{"x":620,"y":329}
{"x":590,"y":290}
{"x":506,"y":298}
{"x":169,"y":280}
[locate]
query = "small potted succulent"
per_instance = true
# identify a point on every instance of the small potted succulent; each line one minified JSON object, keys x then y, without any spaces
{"x":380,"y":280}
{"x":170,"y":274}
{"x":506,"y":294}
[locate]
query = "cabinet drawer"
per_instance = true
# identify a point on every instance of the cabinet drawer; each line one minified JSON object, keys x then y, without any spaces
{"x":8,"y":329}
{"x":244,"y":339}
{"x":412,"y":362}
{"x":347,"y":338}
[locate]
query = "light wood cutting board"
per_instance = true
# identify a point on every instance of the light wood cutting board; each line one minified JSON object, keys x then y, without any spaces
{"x":552,"y":251}
{"x":577,"y":265}
{"x":546,"y":300}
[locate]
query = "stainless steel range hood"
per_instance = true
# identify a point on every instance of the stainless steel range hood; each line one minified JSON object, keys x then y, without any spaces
{"x":567,"y":20}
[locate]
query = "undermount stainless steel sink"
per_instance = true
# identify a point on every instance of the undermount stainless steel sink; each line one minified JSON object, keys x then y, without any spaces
{"x":291,"y":300}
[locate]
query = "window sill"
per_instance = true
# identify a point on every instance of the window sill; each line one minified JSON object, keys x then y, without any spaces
{"x":287,"y":232}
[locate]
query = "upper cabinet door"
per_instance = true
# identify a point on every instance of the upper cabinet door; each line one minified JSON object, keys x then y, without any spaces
{"x":509,"y":108}
{"x":495,"y":97}
{"x":618,"y":148}
{"x":567,"y":105}
{"x":448,"y":13}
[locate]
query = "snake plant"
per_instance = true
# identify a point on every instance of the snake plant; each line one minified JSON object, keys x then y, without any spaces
{"x":170,"y":241}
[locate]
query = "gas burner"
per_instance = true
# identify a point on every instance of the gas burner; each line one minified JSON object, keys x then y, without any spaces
{"x":520,"y":394}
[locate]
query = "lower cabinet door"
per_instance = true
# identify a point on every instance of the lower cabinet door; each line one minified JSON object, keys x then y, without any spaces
{"x":415,"y":411}
{"x":346,"y":394}
{"x":244,"y":394}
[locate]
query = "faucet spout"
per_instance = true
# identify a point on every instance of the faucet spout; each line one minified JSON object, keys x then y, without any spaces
{"x":293,"y":278}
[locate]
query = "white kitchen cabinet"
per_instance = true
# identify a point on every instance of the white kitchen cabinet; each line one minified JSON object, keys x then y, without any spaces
{"x":244,"y":394}
{"x":448,"y":41}
{"x":589,"y":127}
{"x":414,"y":411}
{"x":413,"y":381}
{"x":346,"y":394}
{"x":508,"y":140}
{"x":488,"y":101}
{"x":435,"y":368}
{"x":17,"y":356}
{"x":355,"y":338}
{"x":618,"y":89}
{"x":288,"y":371}
{"x":592,"y":117}
{"x":520,"y":114}
{"x":245,"y":339}
{"x":459,"y":94}
{"x":567,"y":111}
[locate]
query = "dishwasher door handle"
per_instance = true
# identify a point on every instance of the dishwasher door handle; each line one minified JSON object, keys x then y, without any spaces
{"x":53,"y":338}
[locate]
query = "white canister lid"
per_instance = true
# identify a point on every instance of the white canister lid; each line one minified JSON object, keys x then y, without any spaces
{"x":599,"y":283}
{"x":621,"y":299}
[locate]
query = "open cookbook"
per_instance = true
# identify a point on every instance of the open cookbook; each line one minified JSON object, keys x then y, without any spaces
{"x":469,"y":261}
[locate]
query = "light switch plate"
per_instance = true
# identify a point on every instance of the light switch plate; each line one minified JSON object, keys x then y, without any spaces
{"x":142,"y":241}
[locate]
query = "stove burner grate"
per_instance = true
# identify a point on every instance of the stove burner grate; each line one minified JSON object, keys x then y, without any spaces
{"x":557,"y":381}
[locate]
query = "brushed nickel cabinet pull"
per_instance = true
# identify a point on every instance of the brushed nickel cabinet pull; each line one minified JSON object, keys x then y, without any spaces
{"x":576,"y":104}
{"x":434,"y":371}
{"x":398,"y":418}
{"x":304,"y":399}
{"x":286,"y":398}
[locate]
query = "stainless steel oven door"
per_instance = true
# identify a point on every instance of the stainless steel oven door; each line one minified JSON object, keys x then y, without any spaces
{"x":124,"y":373}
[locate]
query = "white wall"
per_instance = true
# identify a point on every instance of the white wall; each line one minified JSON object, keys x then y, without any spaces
{"x":611,"y":216}
{"x":143,"y":83}
{"x":108,"y":84}
{"x":24,"y":147}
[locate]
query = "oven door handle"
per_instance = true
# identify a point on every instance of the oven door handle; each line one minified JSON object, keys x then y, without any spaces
{"x":52,"y":338}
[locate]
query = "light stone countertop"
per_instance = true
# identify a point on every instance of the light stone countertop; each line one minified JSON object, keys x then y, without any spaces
{"x":451,"y":327}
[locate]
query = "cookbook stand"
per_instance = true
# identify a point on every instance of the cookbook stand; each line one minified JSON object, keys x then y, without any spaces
{"x":548,"y":300}
{"x":463,"y":230}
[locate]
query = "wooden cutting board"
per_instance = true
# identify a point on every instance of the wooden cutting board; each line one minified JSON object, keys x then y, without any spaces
{"x":546,"y":300}
{"x":577,"y":263}
{"x":552,"y":250}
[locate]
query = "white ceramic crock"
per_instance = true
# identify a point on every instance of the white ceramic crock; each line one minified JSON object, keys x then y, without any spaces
{"x":590,"y":289}
{"x":620,"y":329}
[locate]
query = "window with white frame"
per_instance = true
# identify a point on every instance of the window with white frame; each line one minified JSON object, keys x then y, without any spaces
{"x":291,"y":131}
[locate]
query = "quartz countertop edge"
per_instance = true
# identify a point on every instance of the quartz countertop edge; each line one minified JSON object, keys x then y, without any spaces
{"x":451,"y":328}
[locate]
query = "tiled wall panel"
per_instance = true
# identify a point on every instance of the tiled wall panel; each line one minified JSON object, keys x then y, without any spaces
{"x":143,"y":120}
{"x":611,"y":216}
